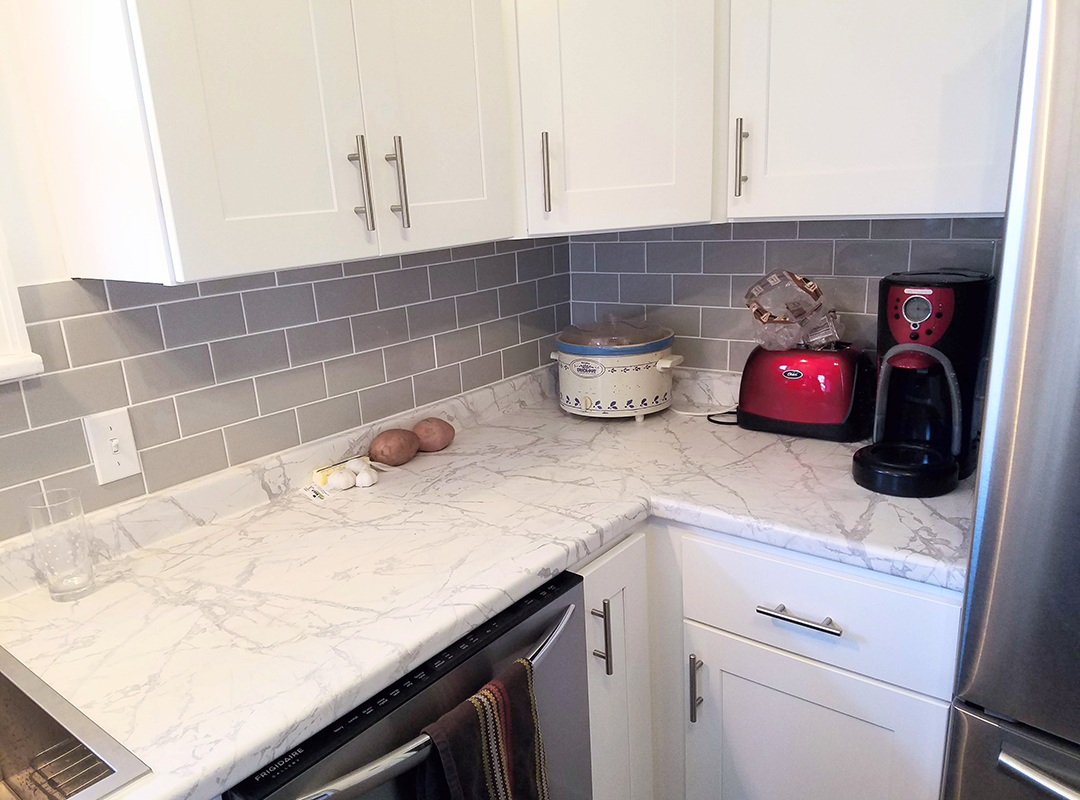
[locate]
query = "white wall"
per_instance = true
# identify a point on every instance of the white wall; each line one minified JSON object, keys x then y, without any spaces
{"x":26,"y":212}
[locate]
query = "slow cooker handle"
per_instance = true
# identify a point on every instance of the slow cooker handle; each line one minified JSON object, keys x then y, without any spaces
{"x":668,"y":363}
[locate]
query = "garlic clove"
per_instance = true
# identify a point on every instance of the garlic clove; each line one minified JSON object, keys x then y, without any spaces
{"x":340,"y":479}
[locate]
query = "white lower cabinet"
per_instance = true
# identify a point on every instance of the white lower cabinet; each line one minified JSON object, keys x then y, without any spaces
{"x":617,"y":636}
{"x":776,"y":726}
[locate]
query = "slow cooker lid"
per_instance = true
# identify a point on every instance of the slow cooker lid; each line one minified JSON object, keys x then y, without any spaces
{"x":614,"y":333}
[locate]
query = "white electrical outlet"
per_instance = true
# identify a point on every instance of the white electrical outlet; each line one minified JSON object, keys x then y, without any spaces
{"x":112,"y":445}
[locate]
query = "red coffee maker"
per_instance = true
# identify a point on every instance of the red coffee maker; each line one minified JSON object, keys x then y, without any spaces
{"x":933,"y":333}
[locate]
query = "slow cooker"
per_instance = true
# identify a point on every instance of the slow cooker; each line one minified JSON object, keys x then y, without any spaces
{"x":616,"y":368}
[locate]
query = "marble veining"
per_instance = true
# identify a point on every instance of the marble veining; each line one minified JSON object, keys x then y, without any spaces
{"x":236,"y":616}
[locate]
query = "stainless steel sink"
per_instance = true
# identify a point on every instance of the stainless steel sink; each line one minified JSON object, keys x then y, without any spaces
{"x":48,"y":749}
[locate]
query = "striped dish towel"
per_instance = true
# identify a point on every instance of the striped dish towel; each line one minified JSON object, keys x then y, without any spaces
{"x":490,"y":747}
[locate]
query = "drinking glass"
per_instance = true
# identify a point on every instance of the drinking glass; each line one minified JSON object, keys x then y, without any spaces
{"x":60,"y":538}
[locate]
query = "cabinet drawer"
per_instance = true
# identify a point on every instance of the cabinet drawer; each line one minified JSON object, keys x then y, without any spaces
{"x":903,"y":636}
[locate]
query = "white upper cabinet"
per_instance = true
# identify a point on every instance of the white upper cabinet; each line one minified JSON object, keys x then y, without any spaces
{"x":253,"y":108}
{"x":433,"y":73}
{"x":873,"y":107}
{"x":195,"y":139}
{"x":622,"y":92}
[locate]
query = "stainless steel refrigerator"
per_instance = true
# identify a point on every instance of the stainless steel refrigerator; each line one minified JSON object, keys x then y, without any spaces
{"x":1015,"y":728}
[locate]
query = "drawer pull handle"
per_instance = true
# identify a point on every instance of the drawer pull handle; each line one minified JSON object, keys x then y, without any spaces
{"x":607,"y":653}
{"x":695,"y":698}
{"x":397,"y":158}
{"x":367,"y":210}
{"x":1029,"y":773}
{"x":740,"y":134}
{"x":545,"y":163}
{"x":781,"y":613}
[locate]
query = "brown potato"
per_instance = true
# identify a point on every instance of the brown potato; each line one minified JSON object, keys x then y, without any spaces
{"x":434,"y":433}
{"x":394,"y":447}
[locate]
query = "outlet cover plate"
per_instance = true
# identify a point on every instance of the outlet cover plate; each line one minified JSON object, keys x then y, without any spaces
{"x":112,"y":445}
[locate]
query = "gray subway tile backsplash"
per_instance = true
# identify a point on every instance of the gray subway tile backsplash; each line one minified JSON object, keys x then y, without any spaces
{"x":12,"y":409}
{"x":47,"y":340}
{"x":871,"y":257}
{"x":290,"y":388}
{"x":345,"y":297}
{"x":312,"y":361}
{"x":169,"y":372}
{"x":481,"y":371}
{"x":645,"y":289}
{"x":203,"y":320}
{"x":242,"y":283}
{"x":183,"y":460}
{"x":128,"y":294}
{"x":427,"y":319}
{"x":806,"y":257}
{"x":974,"y":255}
{"x":672,"y":257}
{"x":457,"y":345}
{"x":319,"y":342}
{"x":322,"y":272}
{"x":733,"y":258}
{"x":620,"y":257}
{"x":283,"y":307}
{"x":386,"y":400}
{"x":409,"y":358}
{"x":41,"y":452}
{"x":517,"y":299}
{"x":437,"y":384}
{"x":75,"y":393}
{"x":262,"y":436}
{"x":154,"y":423}
{"x":62,"y":299}
{"x":910,"y":228}
{"x":354,"y":372}
{"x":92,"y":495}
{"x":380,"y":328}
{"x":245,"y":356}
{"x":498,"y":334}
{"x":112,"y":335}
{"x":706,"y":308}
{"x":216,"y":406}
{"x":473,"y":309}
{"x":452,"y":278}
{"x":327,"y":417}
{"x":402,"y":287}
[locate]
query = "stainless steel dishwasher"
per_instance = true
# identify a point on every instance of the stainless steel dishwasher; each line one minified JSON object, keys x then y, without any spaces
{"x":370,"y":752}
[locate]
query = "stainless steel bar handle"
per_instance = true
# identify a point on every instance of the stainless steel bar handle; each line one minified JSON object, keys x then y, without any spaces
{"x":545,"y":161}
{"x":781,"y":613}
{"x":1029,"y":772}
{"x":740,"y":134}
{"x":695,"y":698}
{"x":413,"y":752}
{"x":367,"y":210}
{"x":607,"y":653}
{"x":397,"y":158}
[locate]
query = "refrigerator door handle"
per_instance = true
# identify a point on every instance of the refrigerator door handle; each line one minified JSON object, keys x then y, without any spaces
{"x":1021,"y":769}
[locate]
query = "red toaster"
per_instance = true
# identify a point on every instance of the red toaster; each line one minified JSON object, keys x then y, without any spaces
{"x":822,"y":394}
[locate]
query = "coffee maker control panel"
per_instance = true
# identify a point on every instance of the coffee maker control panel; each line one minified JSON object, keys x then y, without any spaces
{"x":920,"y":315}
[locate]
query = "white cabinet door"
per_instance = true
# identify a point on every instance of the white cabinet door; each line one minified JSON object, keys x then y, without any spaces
{"x":775,"y":726}
{"x":434,"y":74}
{"x":620,"y":714}
{"x":873,"y":107}
{"x":253,"y":107}
{"x":624,"y":91}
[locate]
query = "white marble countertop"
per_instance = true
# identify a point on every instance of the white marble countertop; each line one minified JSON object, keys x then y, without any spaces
{"x":212,"y":650}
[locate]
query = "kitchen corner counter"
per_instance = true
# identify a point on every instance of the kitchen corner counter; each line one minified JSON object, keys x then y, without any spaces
{"x":212,"y":650}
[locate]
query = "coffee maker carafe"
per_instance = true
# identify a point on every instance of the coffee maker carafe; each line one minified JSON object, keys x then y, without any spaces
{"x":933,"y":332}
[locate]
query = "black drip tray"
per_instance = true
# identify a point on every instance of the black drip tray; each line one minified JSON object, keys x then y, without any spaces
{"x":905,"y":469}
